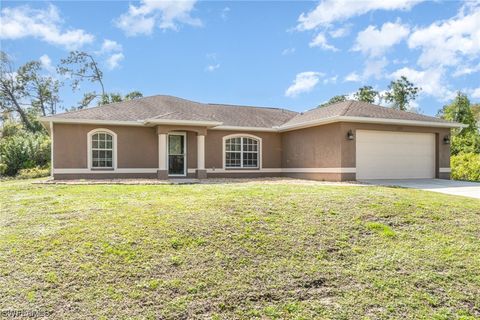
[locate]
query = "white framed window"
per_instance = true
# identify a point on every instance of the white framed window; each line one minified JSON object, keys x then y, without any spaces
{"x":242,"y":151}
{"x":102,"y":149}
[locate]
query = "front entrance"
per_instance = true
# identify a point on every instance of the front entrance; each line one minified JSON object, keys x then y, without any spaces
{"x":177,"y":150}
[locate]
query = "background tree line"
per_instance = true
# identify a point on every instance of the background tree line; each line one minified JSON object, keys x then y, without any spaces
{"x":399,"y":95}
{"x":28,"y":92}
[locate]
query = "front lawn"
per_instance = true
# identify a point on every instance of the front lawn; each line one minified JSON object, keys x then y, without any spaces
{"x":240,"y":250}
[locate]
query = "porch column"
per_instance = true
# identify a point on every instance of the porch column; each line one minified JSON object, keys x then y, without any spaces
{"x":162,"y":172}
{"x":201,"y":172}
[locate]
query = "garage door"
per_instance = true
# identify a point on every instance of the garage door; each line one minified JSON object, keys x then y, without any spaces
{"x":395,"y":155}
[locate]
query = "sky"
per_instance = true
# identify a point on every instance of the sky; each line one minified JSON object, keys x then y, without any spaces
{"x":289,"y":54}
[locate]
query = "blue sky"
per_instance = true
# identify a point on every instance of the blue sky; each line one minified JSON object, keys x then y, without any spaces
{"x":283,"y":54}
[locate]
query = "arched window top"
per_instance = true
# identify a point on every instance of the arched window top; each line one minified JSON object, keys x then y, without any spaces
{"x":242,"y":151}
{"x":102,"y":149}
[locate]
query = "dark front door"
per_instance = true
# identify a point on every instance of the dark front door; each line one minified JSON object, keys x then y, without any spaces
{"x":176,"y":154}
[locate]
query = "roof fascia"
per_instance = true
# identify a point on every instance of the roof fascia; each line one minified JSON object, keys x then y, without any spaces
{"x":235,"y":128}
{"x":213,"y":125}
{"x":89,"y":121}
{"x":324,"y":121}
{"x":183,"y":122}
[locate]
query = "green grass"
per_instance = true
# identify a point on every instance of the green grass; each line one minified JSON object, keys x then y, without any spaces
{"x":237,"y":251}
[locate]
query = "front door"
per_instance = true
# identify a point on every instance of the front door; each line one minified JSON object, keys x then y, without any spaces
{"x":177,"y":162}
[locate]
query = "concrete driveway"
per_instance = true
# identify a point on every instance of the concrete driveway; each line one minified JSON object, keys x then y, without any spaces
{"x":458,"y":188}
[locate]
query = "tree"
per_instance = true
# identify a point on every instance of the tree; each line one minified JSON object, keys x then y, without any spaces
{"x":13,"y":91}
{"x":42,"y":90}
{"x":459,"y":111}
{"x":334,"y":99}
{"x":80,"y":66}
{"x":117,"y":97}
{"x":133,"y":95}
{"x":110,"y":98}
{"x":401,"y":92}
{"x":366,"y":94}
{"x":466,"y":140}
{"x":476,"y":112}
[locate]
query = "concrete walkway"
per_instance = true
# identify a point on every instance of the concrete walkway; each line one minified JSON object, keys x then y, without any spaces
{"x":458,"y":188}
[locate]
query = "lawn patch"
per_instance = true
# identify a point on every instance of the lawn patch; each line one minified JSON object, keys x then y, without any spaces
{"x":237,"y":251}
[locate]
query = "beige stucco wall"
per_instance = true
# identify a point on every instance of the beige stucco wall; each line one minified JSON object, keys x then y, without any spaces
{"x":314,"y":147}
{"x":137,"y":146}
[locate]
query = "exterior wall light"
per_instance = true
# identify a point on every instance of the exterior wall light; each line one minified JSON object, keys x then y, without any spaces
{"x":350,"y":135}
{"x":446,"y":139}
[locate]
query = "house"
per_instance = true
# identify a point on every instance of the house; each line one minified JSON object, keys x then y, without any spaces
{"x":163,"y":137}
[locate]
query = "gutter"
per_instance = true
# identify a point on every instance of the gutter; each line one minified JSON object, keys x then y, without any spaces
{"x":87,"y":121}
{"x":183,"y":122}
{"x":369,"y":120}
{"x":214,"y":125}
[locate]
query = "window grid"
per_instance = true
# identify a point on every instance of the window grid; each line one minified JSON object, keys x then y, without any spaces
{"x":241,"y":152}
{"x":102,"y":150}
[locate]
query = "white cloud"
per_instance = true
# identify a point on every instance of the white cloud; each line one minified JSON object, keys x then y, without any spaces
{"x":110,"y":46}
{"x":44,"y":24}
{"x":430,"y":80}
{"x":476,"y":93}
{"x":466,"y":70}
{"x":352,"y":77}
{"x":213,"y":63}
{"x":444,"y":43}
{"x":304,"y":82}
{"x":46,"y":63}
{"x":321,"y":41}
{"x":166,"y":14}
{"x":329,"y":11}
{"x":212,"y":67}
{"x":224,"y":13}
{"x":331,"y":80}
{"x":114,"y":60}
{"x":341,"y":32}
{"x":113,"y":51}
{"x":288,"y":51}
{"x":374,"y":42}
{"x":374,"y":68}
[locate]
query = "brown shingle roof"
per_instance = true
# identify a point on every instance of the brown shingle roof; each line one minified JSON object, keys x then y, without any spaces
{"x":173,"y":108}
{"x":163,"y":107}
{"x":352,"y":108}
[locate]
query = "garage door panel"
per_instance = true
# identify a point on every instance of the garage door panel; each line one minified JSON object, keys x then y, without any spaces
{"x":395,"y":155}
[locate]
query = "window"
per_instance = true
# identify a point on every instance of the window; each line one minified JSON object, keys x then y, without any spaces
{"x":241,"y":152}
{"x":102,"y":150}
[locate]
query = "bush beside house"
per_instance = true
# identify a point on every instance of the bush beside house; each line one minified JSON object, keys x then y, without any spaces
{"x":21,"y":150}
{"x":466,"y":166}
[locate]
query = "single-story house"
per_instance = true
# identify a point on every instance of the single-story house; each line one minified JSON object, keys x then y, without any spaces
{"x":164,"y":137}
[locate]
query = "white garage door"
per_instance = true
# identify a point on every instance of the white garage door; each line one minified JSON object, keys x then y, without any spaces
{"x":395,"y":155}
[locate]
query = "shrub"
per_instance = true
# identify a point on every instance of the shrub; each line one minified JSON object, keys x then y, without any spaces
{"x":24,"y":150}
{"x":466,"y":166}
{"x":468,"y":142}
{"x":36,"y":172}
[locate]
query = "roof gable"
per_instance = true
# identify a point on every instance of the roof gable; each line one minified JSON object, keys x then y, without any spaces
{"x":351,"y":108}
{"x":172,"y":108}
